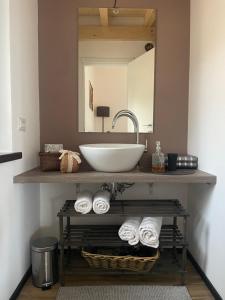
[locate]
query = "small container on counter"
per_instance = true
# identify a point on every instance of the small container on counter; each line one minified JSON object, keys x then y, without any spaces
{"x":158,"y":160}
{"x":49,"y":161}
{"x":172,"y":161}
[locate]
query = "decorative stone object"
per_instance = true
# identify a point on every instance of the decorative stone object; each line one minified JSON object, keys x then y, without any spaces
{"x":69,"y":161}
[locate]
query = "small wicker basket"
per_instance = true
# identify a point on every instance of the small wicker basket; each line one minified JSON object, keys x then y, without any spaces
{"x":131,"y":263}
{"x":49,"y":161}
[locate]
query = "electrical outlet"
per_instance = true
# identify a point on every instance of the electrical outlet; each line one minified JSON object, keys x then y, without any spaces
{"x":22,"y":123}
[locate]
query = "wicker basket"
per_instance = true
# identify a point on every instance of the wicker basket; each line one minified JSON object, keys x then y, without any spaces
{"x":49,"y":161}
{"x":131,"y":263}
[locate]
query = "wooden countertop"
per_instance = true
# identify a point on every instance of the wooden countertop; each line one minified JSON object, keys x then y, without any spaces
{"x":37,"y":176}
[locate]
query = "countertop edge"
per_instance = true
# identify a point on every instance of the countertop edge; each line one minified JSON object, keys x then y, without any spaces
{"x":36,"y":176}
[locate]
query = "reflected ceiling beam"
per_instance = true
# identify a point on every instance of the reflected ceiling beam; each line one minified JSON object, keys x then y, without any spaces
{"x":104,"y":16}
{"x":119,"y":33}
{"x":149,"y":17}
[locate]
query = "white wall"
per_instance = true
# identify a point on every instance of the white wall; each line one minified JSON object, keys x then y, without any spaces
{"x":110,"y":89}
{"x":20,"y":204}
{"x":5,"y":93}
{"x":109,"y":86}
{"x":24,"y":75}
{"x":206,"y":136}
{"x":119,"y":51}
{"x":141,"y":89}
{"x":89,"y":114}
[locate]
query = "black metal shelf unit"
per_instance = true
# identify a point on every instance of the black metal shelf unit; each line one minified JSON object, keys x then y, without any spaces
{"x":78,"y":236}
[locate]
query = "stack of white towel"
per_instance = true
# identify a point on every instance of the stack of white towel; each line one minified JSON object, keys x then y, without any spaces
{"x":83,"y":203}
{"x":129,"y":231}
{"x":146,"y":231}
{"x":100,"y":202}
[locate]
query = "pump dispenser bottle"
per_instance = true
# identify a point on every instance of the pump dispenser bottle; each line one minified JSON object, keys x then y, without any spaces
{"x":158,"y":160}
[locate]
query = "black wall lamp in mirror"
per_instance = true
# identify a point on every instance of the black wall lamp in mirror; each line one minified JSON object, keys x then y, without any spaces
{"x":104,"y":112}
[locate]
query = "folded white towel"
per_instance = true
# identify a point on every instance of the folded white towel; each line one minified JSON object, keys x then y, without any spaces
{"x":129,"y":231}
{"x":101,"y":203}
{"x":149,"y":231}
{"x":83,"y":203}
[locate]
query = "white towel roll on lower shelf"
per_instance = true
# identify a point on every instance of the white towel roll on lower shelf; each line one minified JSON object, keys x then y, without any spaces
{"x":149,"y":231}
{"x":101,"y":203}
{"x":83,"y":203}
{"x":129,"y":231}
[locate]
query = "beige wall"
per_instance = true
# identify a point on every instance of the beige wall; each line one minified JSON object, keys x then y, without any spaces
{"x":58,"y":62}
{"x":59,"y":94}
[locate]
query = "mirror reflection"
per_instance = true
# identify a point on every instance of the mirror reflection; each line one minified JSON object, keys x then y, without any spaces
{"x":116,"y":68}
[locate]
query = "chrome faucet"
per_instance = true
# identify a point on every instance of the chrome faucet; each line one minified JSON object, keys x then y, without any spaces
{"x":130,"y":115}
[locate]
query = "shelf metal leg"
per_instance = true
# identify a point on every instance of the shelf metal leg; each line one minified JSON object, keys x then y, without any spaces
{"x":61,"y":251}
{"x":174,"y":237}
{"x":184,"y":262}
{"x":69,"y":239}
{"x":184,"y":254}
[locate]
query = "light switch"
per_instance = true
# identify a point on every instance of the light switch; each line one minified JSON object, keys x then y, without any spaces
{"x":22,"y":122}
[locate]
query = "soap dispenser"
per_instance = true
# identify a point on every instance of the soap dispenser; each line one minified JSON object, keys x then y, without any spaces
{"x":158,"y":160}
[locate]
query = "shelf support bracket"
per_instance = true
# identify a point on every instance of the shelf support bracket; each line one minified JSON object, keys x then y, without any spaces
{"x":151,"y":188}
{"x":77,"y":188}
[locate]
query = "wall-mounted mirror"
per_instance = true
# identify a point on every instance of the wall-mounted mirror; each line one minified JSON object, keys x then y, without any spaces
{"x":116,"y":67}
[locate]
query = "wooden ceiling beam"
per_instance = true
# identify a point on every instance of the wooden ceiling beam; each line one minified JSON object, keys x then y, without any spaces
{"x":104,"y":16}
{"x":149,"y":17}
{"x":120,"y":33}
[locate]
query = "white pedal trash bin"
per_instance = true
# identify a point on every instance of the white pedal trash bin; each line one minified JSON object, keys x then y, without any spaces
{"x":44,"y":257}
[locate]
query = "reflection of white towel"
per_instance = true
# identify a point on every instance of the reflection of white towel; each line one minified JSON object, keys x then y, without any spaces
{"x":129,"y":231}
{"x":149,"y":231}
{"x":83,"y":203}
{"x":101,"y":203}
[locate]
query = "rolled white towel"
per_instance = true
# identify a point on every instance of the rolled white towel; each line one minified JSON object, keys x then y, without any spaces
{"x":129,"y":231}
{"x":101,"y":203}
{"x":149,"y":231}
{"x":83,"y":203}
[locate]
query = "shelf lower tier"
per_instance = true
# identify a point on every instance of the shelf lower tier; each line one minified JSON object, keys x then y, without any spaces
{"x":131,"y":208}
{"x":107,"y":235}
{"x":167,"y":264}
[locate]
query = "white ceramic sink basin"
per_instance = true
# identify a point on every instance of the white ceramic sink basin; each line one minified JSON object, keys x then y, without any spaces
{"x":112,"y":157}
